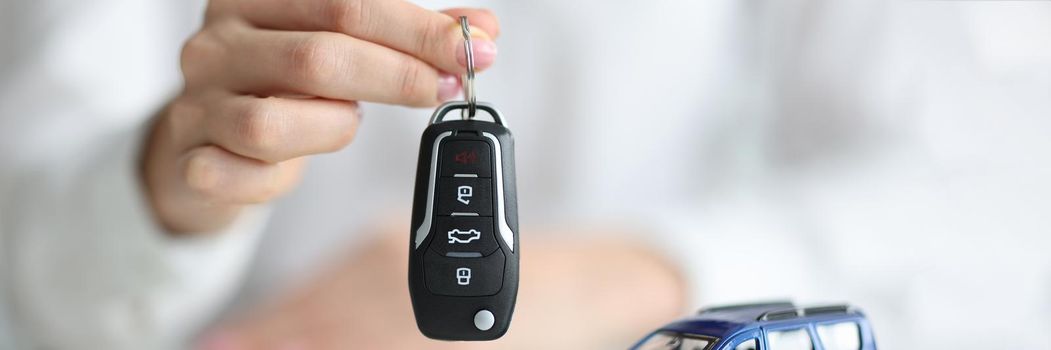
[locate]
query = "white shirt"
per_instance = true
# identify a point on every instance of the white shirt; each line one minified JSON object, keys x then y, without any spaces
{"x":893,"y":155}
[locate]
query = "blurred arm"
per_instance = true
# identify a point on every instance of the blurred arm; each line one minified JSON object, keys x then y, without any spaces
{"x":581,"y":289}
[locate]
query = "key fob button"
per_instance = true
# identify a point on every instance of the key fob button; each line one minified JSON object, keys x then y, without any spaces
{"x":464,"y":236}
{"x":466,"y":157}
{"x":484,"y":320}
{"x":464,"y":277}
{"x":465,"y":196}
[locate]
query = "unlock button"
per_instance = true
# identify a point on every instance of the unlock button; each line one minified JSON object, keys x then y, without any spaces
{"x":468,"y":196}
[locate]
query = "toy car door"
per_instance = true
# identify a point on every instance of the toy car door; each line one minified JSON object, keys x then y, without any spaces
{"x":746,"y":341}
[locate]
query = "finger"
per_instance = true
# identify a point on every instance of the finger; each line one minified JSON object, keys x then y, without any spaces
{"x":483,"y":19}
{"x":221,"y":177}
{"x":330,"y":65}
{"x":275,"y":129}
{"x":430,"y":36}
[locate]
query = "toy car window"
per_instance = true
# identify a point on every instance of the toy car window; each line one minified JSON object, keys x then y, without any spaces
{"x":840,"y":336}
{"x":694,"y":344}
{"x":750,"y":344}
{"x":791,"y":339}
{"x":675,"y":341}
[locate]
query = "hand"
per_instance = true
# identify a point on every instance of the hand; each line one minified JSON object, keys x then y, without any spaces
{"x":576,"y":293}
{"x":268,"y":82}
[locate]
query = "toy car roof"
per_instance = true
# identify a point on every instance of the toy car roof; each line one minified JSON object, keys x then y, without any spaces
{"x":723,"y":321}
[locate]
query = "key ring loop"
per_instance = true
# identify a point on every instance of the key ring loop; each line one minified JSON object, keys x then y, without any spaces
{"x":468,"y":78}
{"x":445,"y":108}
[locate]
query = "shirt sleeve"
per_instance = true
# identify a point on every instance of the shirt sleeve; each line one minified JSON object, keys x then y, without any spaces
{"x":83,"y":265}
{"x":88,"y":267}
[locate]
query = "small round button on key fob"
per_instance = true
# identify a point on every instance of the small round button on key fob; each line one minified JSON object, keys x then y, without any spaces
{"x":463,"y":261}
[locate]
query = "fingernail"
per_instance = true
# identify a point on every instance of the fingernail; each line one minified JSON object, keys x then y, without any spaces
{"x":484,"y":53}
{"x":448,"y":87}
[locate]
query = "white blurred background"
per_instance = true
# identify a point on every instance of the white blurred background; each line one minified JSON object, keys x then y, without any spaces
{"x":894,"y":155}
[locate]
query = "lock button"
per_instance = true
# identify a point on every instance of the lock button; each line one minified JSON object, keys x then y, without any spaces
{"x":464,"y":277}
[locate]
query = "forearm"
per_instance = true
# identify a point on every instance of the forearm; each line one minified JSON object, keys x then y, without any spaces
{"x":613,"y":288}
{"x":578,"y":291}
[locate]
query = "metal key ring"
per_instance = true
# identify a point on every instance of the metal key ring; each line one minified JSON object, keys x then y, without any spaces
{"x":468,"y":78}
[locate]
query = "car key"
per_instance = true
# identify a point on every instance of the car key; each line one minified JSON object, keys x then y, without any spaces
{"x":463,"y":251}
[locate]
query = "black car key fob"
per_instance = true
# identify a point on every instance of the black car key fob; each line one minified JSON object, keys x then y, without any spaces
{"x":463,"y":261}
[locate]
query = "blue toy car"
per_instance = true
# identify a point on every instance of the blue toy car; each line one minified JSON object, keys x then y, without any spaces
{"x":766,"y":326}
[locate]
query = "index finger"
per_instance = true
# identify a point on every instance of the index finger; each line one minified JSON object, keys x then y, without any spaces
{"x":430,"y":36}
